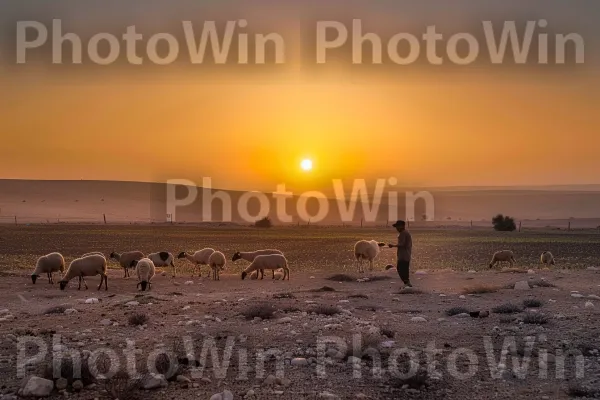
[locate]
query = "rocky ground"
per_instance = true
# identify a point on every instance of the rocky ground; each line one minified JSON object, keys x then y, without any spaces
{"x":268,"y":339}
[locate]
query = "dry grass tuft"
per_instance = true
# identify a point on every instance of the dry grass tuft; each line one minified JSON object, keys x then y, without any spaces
{"x":263,"y":311}
{"x":480,"y":289}
{"x":137,"y":319}
{"x":341,"y":278}
{"x":507,"y":308}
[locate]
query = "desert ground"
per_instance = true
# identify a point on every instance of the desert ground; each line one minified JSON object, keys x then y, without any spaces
{"x":381,"y":335}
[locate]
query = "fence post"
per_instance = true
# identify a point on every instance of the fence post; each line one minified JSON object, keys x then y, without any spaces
{"x":104,"y":215}
{"x":471,"y":224}
{"x":569,"y":227}
{"x":16,"y":223}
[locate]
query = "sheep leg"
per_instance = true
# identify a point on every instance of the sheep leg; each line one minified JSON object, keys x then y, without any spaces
{"x":84,"y":282}
{"x":49,"y":277}
{"x":371,"y":265}
{"x":262,"y":273}
{"x":174,"y":269}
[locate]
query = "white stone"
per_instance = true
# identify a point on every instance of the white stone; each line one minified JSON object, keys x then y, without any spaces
{"x":92,"y":300}
{"x":132,"y":303}
{"x":418,"y":319}
{"x":69,"y":311}
{"x":589,"y":304}
{"x":38,"y":387}
{"x":522,"y":285}
{"x":154,"y":381}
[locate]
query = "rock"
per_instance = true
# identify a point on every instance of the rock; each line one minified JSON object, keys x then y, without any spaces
{"x":61,"y":384}
{"x":132,"y":303}
{"x":69,"y":311}
{"x":183,"y":379}
{"x":106,"y":322}
{"x":285,"y":320}
{"x":217,"y":396}
{"x":77,"y":386}
{"x":462,"y":297}
{"x":38,"y":387}
{"x":189,"y":283}
{"x":388,"y":344}
{"x":269,"y":380}
{"x":418,"y":319}
{"x":227,"y":395}
{"x":250,"y":393}
{"x":592,"y":269}
{"x":154,"y":381}
{"x":462,"y":315}
{"x":589,"y":304}
{"x":471,"y":271}
{"x":327,"y":395}
{"x":594,"y":297}
{"x":484,"y":314}
{"x":92,"y":300}
{"x":299,"y":362}
{"x":576,"y":295}
{"x":522,"y":285}
{"x":285,"y":382}
{"x":530,"y":272}
{"x":344,"y":301}
{"x":420,"y":272}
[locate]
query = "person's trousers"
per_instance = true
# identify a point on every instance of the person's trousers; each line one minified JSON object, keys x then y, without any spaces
{"x":404,"y":270}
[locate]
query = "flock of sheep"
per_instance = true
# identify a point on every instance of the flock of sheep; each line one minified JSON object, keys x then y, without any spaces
{"x":93,"y":264}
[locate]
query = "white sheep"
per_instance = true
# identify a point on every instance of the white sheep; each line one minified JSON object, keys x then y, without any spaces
{"x":199,"y":258}
{"x":217,"y":262}
{"x":547,"y":258}
{"x":125,"y":259}
{"x":94,"y":253}
{"x":366,"y":250}
{"x":145,"y":272}
{"x":270,"y":261}
{"x":251,"y":255}
{"x":86,"y":266}
{"x":49,"y":264}
{"x":503,"y":256}
{"x":163,"y":259}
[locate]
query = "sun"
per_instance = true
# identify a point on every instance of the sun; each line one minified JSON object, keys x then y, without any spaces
{"x":306,"y":165}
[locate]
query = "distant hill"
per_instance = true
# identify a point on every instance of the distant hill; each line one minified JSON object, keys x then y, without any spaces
{"x":88,"y":201}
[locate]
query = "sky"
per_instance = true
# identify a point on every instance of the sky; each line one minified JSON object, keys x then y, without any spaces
{"x":249,"y":127}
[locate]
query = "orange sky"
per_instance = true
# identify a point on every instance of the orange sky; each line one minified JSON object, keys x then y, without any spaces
{"x":425,"y":128}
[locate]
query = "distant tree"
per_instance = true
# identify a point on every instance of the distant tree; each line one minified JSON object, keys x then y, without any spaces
{"x":504,"y":223}
{"x":264,"y":223}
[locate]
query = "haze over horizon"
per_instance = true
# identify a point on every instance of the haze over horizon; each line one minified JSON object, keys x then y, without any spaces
{"x":504,"y":126}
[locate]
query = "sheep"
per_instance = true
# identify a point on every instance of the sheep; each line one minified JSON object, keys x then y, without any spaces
{"x":86,"y":266}
{"x":547,"y":258}
{"x":48,"y":264}
{"x":199,"y":258}
{"x":125,"y":259}
{"x":270,"y":261}
{"x":93,"y":253}
{"x":145,"y":271}
{"x":366,"y":250}
{"x":217,"y":262}
{"x":251,"y":255}
{"x":503,"y":256}
{"x":163,"y":259}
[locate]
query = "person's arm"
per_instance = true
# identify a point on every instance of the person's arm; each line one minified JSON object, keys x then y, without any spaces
{"x":401,"y":242}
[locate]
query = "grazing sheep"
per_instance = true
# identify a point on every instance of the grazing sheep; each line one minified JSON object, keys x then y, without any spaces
{"x":145,"y":272}
{"x":94,"y":253}
{"x":366,"y":250}
{"x":199,"y":258}
{"x":270,"y":261}
{"x":217,"y":262}
{"x":49,"y":264}
{"x":251,"y":255}
{"x":547,"y":258}
{"x":163,"y":259}
{"x":125,"y":259}
{"x":86,"y":266}
{"x":503,"y":256}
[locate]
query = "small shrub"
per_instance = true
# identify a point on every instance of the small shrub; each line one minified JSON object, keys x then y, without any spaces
{"x":341,"y":278}
{"x":503,"y":223}
{"x":55,"y":310}
{"x":379,"y":278}
{"x":456,"y":310}
{"x":358,"y":296}
{"x":323,"y":309}
{"x":291,"y":309}
{"x":122,"y":386}
{"x":480,"y":289}
{"x":264,"y":223}
{"x":541,"y":283}
{"x":505,"y":319}
{"x":577,"y":390}
{"x":535,"y":319}
{"x":532,"y":303}
{"x":324,"y":289}
{"x":263,"y":311}
{"x":507,"y":308}
{"x":418,"y":380}
{"x":387,"y":332}
{"x":410,"y":290}
{"x":284,"y":296}
{"x":138,"y":319}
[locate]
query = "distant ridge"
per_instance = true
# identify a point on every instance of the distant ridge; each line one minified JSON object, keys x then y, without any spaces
{"x":81,"y":201}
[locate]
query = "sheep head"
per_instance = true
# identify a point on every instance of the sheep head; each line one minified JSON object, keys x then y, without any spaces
{"x":381,"y":244}
{"x":181,"y":255}
{"x":63,"y":285}
{"x":244,"y":275}
{"x":236,"y":256}
{"x":143,"y":284}
{"x":34,"y":278}
{"x":133,"y":264}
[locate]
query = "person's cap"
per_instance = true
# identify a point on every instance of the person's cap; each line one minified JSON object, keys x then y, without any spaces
{"x":399,"y":223}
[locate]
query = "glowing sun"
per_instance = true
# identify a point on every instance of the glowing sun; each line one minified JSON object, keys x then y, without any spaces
{"x":306,"y":165}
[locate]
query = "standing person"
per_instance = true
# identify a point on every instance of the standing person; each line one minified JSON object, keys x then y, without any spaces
{"x":404,"y":247}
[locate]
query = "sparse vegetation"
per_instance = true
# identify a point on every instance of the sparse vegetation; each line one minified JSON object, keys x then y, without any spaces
{"x":263,"y":311}
{"x":379,"y":278}
{"x":480,"y":289}
{"x":507,"y":308}
{"x":410,"y":290}
{"x":581,"y":391}
{"x":323,"y":309}
{"x":122,"y":386}
{"x":532,"y":303}
{"x":535,"y":318}
{"x":341,"y":278}
{"x":285,"y":295}
{"x":264,"y":223}
{"x":504,"y":223}
{"x":324,"y":289}
{"x":56,"y":310}
{"x":456,"y":310}
{"x":541,"y":283}
{"x":137,"y":319}
{"x":387,"y":332}
{"x":358,"y":296}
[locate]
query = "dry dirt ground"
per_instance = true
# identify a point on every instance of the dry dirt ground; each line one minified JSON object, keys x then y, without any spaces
{"x":372,"y":321}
